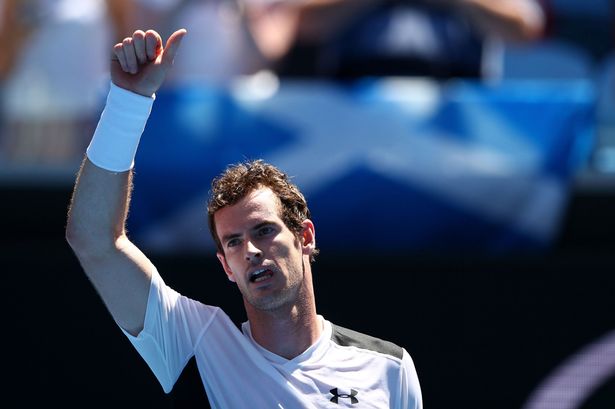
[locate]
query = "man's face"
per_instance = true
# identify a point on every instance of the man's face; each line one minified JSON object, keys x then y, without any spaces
{"x":260,"y":253}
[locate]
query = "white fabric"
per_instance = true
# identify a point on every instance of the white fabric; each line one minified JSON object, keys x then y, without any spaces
{"x":62,"y":68}
{"x":115,"y":141}
{"x":238,"y":373}
{"x":217,"y":48}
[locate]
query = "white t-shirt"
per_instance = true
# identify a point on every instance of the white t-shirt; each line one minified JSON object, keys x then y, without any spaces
{"x":343,"y":368}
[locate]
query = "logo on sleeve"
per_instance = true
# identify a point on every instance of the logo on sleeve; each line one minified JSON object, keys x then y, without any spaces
{"x":338,"y":394}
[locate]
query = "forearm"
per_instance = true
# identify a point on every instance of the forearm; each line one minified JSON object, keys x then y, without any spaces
{"x":102,"y":191}
{"x":95,"y":230}
{"x":512,"y":20}
{"x":122,"y":14}
{"x":119,"y":271}
{"x":98,"y":210}
{"x":277,"y":26}
{"x":14,"y":32}
{"x":319,"y":19}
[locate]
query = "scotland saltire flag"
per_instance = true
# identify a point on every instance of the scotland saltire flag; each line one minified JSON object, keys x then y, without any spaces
{"x":385,"y":164}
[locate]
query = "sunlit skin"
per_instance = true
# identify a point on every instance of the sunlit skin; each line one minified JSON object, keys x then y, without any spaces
{"x":255,"y":239}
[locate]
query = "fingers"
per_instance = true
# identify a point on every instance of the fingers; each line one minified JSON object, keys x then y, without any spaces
{"x":144,"y":47}
{"x":119,"y":56}
{"x":172,"y":46}
{"x":130,"y":55}
{"x":153,"y":44}
{"x":138,"y":41}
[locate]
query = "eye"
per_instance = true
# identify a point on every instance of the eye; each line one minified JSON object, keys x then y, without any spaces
{"x":232,"y":243}
{"x":265,"y":231}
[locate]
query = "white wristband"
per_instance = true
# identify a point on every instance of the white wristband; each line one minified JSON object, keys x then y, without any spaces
{"x":114,"y":144}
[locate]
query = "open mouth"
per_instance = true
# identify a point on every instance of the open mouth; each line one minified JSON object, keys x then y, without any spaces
{"x":260,"y":275}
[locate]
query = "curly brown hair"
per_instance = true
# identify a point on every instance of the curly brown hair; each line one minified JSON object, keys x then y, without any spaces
{"x":240,"y":179}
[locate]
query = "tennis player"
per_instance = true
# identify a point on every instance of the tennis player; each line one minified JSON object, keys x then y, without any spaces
{"x":285,"y":355}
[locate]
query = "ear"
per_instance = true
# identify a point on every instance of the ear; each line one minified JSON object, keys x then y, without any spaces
{"x":308,"y":237}
{"x":225,"y":266}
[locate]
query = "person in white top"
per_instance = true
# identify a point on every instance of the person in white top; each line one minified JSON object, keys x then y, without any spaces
{"x":285,"y":355}
{"x":219,"y":48}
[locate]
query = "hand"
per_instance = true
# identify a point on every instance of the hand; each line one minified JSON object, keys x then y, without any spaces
{"x":140,"y":63}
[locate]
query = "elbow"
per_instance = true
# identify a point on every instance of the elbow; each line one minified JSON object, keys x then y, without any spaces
{"x":71,"y":235}
{"x":513,"y":22}
{"x":532,"y":23}
{"x":75,"y":235}
{"x":522,"y":33}
{"x":532,"y":31}
{"x":77,"y":241}
{"x":89,"y":243}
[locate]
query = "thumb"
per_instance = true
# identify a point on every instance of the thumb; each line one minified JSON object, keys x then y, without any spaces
{"x":172,"y":45}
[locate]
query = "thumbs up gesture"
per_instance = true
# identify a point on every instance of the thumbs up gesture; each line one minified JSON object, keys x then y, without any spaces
{"x":140,"y":63}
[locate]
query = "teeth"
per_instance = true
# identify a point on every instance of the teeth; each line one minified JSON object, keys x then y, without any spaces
{"x":259,"y":275}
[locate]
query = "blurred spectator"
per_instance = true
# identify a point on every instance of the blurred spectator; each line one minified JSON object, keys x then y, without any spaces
{"x":228,"y":38}
{"x":433,"y":38}
{"x":219,"y":46}
{"x":296,"y":37}
{"x":52,"y":70}
{"x":338,"y":38}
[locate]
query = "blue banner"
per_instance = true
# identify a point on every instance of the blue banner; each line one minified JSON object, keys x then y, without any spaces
{"x":388,"y":164}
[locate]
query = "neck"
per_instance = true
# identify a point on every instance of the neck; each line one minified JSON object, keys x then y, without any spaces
{"x":289,"y":330}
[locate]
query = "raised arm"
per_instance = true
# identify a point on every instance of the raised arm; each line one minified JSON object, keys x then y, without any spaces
{"x":15,"y":30}
{"x":277,"y":26}
{"x":95,"y":230}
{"x":511,"y":20}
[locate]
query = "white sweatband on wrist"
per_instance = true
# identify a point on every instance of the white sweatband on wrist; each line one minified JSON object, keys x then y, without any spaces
{"x":115,"y":141}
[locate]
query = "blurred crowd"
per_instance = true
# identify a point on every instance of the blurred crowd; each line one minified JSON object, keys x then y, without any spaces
{"x":54,"y":64}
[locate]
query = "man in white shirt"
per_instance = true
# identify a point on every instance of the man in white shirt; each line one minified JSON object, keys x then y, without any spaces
{"x":285,"y":355}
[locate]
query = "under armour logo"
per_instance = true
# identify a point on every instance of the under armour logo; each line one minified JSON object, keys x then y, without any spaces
{"x":352,"y":396}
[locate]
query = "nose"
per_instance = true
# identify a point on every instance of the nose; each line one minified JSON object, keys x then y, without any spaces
{"x":253,"y":253}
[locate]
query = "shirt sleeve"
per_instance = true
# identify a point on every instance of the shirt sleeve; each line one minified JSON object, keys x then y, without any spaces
{"x":173,"y":324}
{"x":411,"y":397}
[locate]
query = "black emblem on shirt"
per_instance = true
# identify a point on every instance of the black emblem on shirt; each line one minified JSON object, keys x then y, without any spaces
{"x":337,"y":395}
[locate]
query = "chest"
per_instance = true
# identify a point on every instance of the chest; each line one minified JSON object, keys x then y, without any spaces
{"x":245,"y":379}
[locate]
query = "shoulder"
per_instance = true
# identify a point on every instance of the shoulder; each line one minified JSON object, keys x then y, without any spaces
{"x":347,"y":337}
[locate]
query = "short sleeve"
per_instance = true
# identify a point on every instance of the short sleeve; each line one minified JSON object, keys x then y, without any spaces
{"x":173,"y":324}
{"x":411,"y":397}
